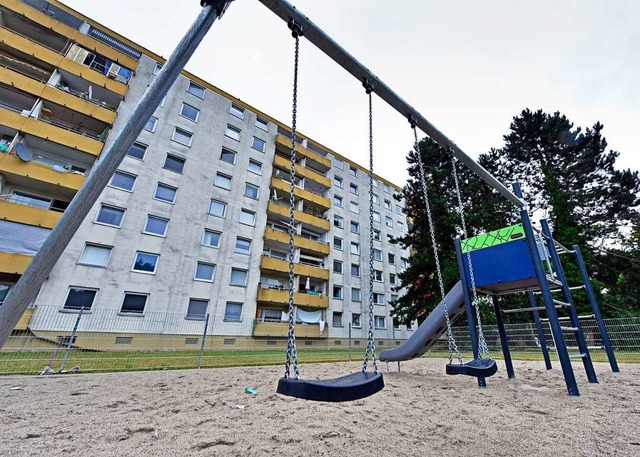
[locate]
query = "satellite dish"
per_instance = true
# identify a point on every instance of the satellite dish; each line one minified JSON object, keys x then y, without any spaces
{"x":23,"y":152}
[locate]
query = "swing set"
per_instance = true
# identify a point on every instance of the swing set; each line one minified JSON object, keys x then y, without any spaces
{"x":365,"y":382}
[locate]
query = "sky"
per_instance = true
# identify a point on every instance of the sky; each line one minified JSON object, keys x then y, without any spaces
{"x":469,"y":67}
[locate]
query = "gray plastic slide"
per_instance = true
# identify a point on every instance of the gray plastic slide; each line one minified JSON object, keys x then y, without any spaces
{"x":430,"y":330}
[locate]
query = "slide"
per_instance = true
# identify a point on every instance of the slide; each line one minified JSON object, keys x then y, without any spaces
{"x":430,"y":330}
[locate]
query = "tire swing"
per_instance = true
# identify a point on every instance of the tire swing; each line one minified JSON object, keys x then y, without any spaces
{"x":356,"y":385}
{"x":479,"y":367}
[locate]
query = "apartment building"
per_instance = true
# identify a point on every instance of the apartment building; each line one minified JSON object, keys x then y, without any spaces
{"x":194,"y":224}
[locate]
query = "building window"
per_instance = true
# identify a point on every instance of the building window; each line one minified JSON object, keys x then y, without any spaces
{"x":258,"y":144}
{"x":337,"y":292}
{"x":394,"y":298}
{"x":376,"y":216}
{"x":354,"y":227}
{"x":182,"y":136}
{"x":355,"y":270}
{"x":386,"y":188}
{"x":150,"y":126}
{"x":204,"y":272}
{"x":243,"y":246}
{"x":145,"y":262}
{"x":137,"y":150}
{"x":355,"y":248}
{"x":387,"y":205}
{"x":133,"y":303}
{"x":337,"y":243}
{"x":404,"y":262}
{"x":80,"y":297}
{"x":380,"y":322}
{"x":355,"y":321}
{"x":354,"y":207}
{"x":337,"y":181}
{"x":377,"y":235}
{"x":262,"y":124}
{"x":156,"y":225}
{"x":353,"y":171}
{"x":255,"y":167}
{"x":217,"y":208}
{"x":339,"y":164}
{"x":337,"y":319}
{"x":211,"y":238}
{"x":388,"y":221}
{"x":392,"y":258}
{"x":196,"y":89}
{"x":398,"y":209}
{"x":400,"y":226}
{"x":110,"y":215}
{"x":223,"y":181}
{"x":353,"y":188}
{"x":377,"y":255}
{"x":378,"y":299}
{"x":228,"y":156}
{"x":375,"y":183}
{"x":356,"y":294}
{"x":122,"y":180}
{"x":174,"y":163}
{"x":238,"y":277}
{"x":95,"y":255}
{"x":156,"y":69}
{"x":337,"y":266}
{"x":338,"y":221}
{"x":247,"y":217}
{"x":165,"y":193}
{"x":232,"y":132}
{"x":237,"y":111}
{"x":251,"y":190}
{"x":233,"y":312}
{"x":190,"y":112}
{"x":197,"y":309}
{"x":377,"y":275}
{"x":375,"y":198}
{"x":392,"y":278}
{"x":4,"y":291}
{"x":337,"y":201}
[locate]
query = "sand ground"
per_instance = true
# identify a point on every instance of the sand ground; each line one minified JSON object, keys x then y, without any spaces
{"x":421,"y":412}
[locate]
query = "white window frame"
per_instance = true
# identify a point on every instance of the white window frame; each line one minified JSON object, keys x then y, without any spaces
{"x":96,"y":290}
{"x":167,"y":186}
{"x":245,"y":240}
{"x":196,"y":86}
{"x":140,"y":146}
{"x":155,"y":267}
{"x":262,"y":123}
{"x":338,"y":182}
{"x":239,"y":319}
{"x":335,"y":246}
{"x":228,"y":151}
{"x":131,"y":175}
{"x":246,"y":277}
{"x":178,"y":159}
{"x":337,"y":288}
{"x":338,"y":266}
{"x":225,"y":180}
{"x":248,"y":185}
{"x":202,"y":243}
{"x":237,"y":111}
{"x":260,"y":140}
{"x":149,"y":216}
{"x":184,"y":132}
{"x":134,"y":313}
{"x":154,"y":123}
{"x":224,"y":208}
{"x":248,"y":212}
{"x":208,"y":264}
{"x":96,"y":221}
{"x":255,"y":163}
{"x":187,"y":117}
{"x":338,"y":221}
{"x":200,"y":317}
{"x":236,"y":132}
{"x":98,"y":246}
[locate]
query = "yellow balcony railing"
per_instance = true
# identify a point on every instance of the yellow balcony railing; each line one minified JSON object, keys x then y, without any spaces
{"x":29,"y":215}
{"x":273,"y":264}
{"x":281,"y":329}
{"x":23,"y":323}
{"x":302,"y":171}
{"x":315,"y":221}
{"x":14,"y":263}
{"x":299,"y":241}
{"x":286,"y":142}
{"x":13,"y":166}
{"x":281,"y":297}
{"x":301,"y":193}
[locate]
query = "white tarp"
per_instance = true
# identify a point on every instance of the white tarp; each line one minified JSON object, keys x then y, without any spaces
{"x":20,"y":238}
{"x":309,"y":317}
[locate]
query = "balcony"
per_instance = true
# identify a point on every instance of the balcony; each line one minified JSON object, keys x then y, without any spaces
{"x":23,"y":214}
{"x":281,"y":296}
{"x":281,"y":329}
{"x":299,"y":241}
{"x":23,"y":323}
{"x":14,"y":263}
{"x":319,"y":160}
{"x":311,"y":197}
{"x":313,"y":220}
{"x":54,"y":58}
{"x":307,"y":173}
{"x":28,"y":172}
{"x":282,"y":266}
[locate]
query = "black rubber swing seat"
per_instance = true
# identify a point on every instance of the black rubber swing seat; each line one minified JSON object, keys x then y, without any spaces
{"x":346,"y":388}
{"x":479,"y":368}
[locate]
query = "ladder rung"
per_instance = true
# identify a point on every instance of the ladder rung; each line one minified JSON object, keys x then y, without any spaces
{"x":561,"y":303}
{"x":577,"y":356}
{"x":522,"y":310}
{"x":591,"y":348}
{"x":569,"y":329}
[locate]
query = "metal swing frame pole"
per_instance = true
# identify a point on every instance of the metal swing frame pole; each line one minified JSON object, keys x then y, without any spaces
{"x":27,"y":288}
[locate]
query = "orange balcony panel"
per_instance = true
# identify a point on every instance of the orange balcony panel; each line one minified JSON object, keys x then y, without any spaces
{"x":59,"y":97}
{"x":12,"y":165}
{"x":23,"y":323}
{"x":281,"y":329}
{"x":272,"y":264}
{"x":14,"y":263}
{"x":305,"y":218}
{"x":301,"y":193}
{"x":29,"y":215}
{"x":302,"y":171}
{"x":50,"y":132}
{"x":281,"y":297}
{"x":25,"y":45}
{"x":305,"y":243}
{"x":284,"y":141}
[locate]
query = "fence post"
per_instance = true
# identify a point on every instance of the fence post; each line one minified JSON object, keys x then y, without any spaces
{"x":349,"y":341}
{"x":70,"y":343}
{"x":204,"y":340}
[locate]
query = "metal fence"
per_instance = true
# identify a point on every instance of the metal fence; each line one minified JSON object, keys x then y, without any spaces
{"x":50,"y":340}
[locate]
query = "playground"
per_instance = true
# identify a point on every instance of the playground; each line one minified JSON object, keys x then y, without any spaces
{"x":421,"y":411}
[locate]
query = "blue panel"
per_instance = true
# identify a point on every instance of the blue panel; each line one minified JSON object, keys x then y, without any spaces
{"x":501,"y":264}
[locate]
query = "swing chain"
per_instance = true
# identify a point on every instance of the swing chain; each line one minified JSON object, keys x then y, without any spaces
{"x":453,"y":347}
{"x":371,"y":344}
{"x":483,"y":349}
{"x":292,"y":353}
